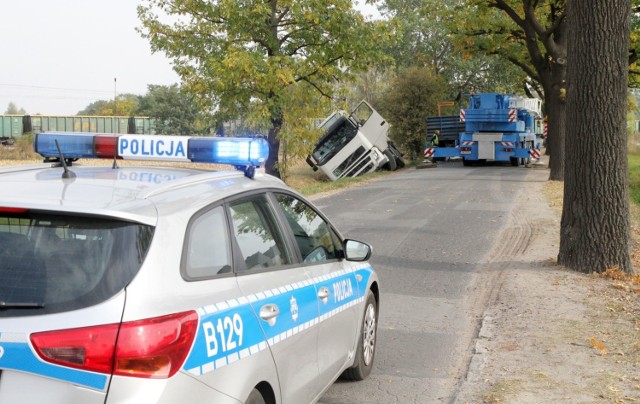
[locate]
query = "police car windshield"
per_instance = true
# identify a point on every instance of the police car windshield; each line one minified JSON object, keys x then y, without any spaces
{"x":52,"y":263}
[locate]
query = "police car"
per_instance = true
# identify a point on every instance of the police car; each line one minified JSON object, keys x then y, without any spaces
{"x":172,"y":285}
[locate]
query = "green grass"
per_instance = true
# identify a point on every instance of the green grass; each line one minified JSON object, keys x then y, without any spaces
{"x":634,"y":177}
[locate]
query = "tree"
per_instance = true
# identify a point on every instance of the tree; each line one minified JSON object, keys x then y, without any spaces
{"x":175,"y":111}
{"x":531,"y":34}
{"x":298,"y":136}
{"x":370,"y":85}
{"x":412,"y":97}
{"x":241,"y":56}
{"x":12,"y":109}
{"x":126,"y":105}
{"x":595,"y":229}
{"x":422,"y":37}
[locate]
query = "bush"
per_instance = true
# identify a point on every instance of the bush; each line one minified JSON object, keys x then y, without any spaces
{"x":413,"y":96}
{"x":22,"y":149}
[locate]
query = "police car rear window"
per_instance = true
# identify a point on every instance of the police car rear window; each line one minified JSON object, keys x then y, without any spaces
{"x":51,"y":263}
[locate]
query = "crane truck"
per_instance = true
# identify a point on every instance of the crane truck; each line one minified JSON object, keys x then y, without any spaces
{"x":497,"y":127}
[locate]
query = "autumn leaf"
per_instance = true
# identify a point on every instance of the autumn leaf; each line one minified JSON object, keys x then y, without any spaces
{"x":598,"y":345}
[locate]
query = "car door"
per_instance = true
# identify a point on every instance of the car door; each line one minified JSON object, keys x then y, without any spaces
{"x":320,"y":253}
{"x":280,"y":293}
{"x":229,"y":352}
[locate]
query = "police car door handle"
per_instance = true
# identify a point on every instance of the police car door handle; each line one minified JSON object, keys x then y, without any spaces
{"x":323,"y":294}
{"x":269,"y":313}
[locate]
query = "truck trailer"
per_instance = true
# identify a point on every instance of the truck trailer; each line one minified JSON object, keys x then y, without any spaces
{"x":498,"y":127}
{"x":354,"y":143}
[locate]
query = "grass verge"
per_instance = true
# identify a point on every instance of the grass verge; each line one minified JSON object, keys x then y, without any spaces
{"x":303,"y":179}
{"x":22,"y":149}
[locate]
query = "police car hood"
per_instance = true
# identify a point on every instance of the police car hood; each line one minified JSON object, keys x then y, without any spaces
{"x":93,"y":190}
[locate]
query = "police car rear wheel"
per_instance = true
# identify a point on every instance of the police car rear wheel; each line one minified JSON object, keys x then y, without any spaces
{"x":255,"y":398}
{"x":366,"y":343}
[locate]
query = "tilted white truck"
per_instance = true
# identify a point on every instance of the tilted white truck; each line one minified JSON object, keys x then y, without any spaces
{"x":354,"y":143}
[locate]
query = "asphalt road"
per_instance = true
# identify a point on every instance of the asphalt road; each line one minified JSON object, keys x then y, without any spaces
{"x":432,"y":231}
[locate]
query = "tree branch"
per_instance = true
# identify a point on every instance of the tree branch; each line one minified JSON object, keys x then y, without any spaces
{"x":306,"y":80}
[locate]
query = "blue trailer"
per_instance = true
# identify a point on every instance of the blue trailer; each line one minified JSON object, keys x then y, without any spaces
{"x":498,"y":127}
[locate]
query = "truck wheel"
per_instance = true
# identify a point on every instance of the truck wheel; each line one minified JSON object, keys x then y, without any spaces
{"x":366,"y":342}
{"x":466,"y":162}
{"x":397,"y":154}
{"x":392,"y":160}
{"x":514,"y":161}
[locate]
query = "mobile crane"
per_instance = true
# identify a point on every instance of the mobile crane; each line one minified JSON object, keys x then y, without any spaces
{"x":498,"y":127}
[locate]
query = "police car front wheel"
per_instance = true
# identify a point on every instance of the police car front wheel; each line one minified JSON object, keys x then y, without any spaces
{"x":255,"y":398}
{"x":366,"y":342}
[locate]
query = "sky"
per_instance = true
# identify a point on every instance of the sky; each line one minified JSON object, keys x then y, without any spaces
{"x":58,"y":56}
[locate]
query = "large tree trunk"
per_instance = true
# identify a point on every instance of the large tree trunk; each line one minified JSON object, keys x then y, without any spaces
{"x":271,"y":165}
{"x":556,"y":125}
{"x":553,"y":75}
{"x":595,"y":230}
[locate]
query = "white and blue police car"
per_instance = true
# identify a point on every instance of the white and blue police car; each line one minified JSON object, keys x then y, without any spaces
{"x":148,"y":284}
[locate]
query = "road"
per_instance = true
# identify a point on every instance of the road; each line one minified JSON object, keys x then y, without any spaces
{"x":434,"y":234}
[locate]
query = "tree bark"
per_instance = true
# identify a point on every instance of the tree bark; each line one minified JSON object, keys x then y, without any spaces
{"x":556,"y":115}
{"x":271,"y":165}
{"x":595,"y":228}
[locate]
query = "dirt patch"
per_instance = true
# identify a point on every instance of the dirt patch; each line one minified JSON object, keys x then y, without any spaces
{"x":553,"y":335}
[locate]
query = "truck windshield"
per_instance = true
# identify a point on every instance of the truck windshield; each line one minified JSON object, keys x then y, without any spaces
{"x":51,"y":263}
{"x":339,"y":133}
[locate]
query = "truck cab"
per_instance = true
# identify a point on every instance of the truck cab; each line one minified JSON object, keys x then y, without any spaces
{"x":354,"y":144}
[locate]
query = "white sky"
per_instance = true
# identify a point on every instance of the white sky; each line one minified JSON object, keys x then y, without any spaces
{"x":58,"y":56}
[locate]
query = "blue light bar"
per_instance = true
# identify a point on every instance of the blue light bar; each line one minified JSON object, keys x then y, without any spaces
{"x":234,"y":151}
{"x":239,"y":152}
{"x":72,"y":145}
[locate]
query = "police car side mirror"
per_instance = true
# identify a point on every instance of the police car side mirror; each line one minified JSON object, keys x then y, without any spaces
{"x":356,"y":250}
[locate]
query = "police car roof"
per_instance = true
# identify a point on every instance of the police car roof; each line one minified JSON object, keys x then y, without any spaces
{"x":130,"y":193}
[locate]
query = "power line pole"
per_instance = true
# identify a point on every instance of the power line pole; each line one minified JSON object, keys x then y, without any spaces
{"x":115,"y":97}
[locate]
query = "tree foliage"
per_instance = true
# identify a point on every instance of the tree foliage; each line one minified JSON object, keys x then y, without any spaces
{"x":124,"y":105}
{"x":422,"y":37}
{"x":241,"y":57}
{"x":298,"y":134}
{"x":12,"y":109}
{"x":175,"y":111}
{"x":370,"y":85}
{"x":412,"y":97}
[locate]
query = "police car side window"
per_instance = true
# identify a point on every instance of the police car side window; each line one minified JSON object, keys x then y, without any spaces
{"x":313,"y":235}
{"x":208,"y":251}
{"x":257,"y":236}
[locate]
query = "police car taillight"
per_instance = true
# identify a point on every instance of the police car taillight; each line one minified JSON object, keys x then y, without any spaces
{"x":149,"y":348}
{"x":239,"y":152}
